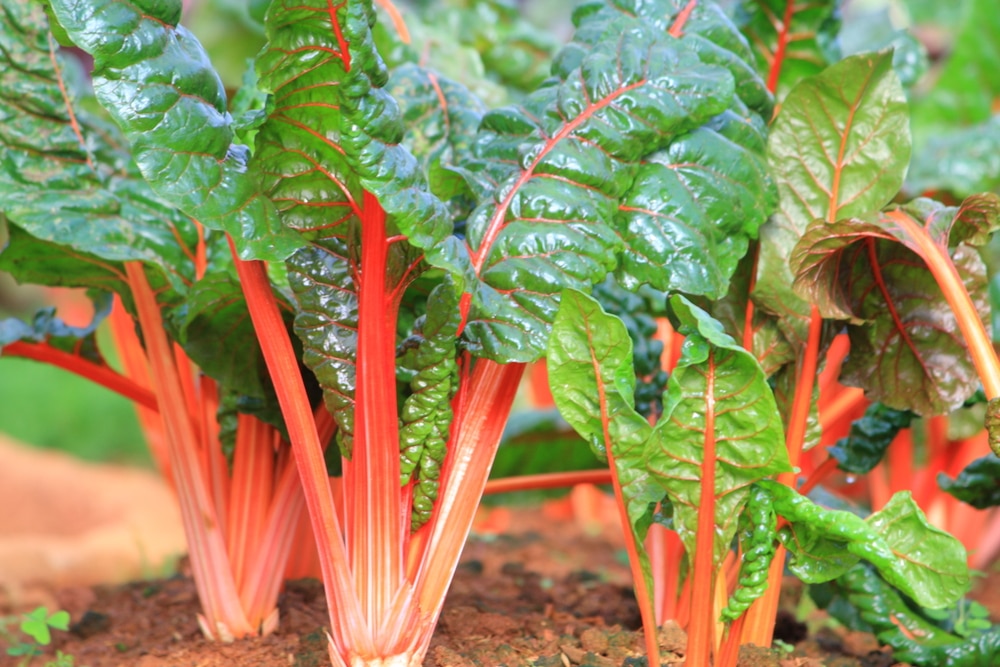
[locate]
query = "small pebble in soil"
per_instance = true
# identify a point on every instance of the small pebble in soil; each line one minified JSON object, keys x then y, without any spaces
{"x":90,"y":624}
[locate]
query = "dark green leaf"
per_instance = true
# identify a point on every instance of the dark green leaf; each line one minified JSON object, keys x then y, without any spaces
{"x":155,"y":80}
{"x":65,"y":178}
{"x":924,"y":562}
{"x":913,"y":636}
{"x":560,"y":162}
{"x":427,"y":414}
{"x":869,"y":438}
{"x":214,"y":328}
{"x":693,"y":208}
{"x":978,"y":484}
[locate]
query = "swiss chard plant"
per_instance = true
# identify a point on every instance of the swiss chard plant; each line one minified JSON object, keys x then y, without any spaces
{"x":358,"y":256}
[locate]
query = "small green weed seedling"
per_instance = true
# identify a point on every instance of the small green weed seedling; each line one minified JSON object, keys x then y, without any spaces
{"x":38,"y":626}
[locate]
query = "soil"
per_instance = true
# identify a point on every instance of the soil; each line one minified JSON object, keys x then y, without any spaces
{"x":543,"y":593}
{"x":534,"y":587}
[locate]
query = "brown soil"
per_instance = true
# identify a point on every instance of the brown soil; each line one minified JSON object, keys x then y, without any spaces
{"x":544,"y":593}
{"x":533,"y":588}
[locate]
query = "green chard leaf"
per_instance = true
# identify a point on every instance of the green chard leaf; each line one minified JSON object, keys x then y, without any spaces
{"x":427,"y":414}
{"x":560,"y":162}
{"x":637,"y":312}
{"x":303,"y":170}
{"x":67,"y":179}
{"x":791,"y":40}
{"x":869,"y":438}
{"x":978,"y":484}
{"x":719,"y":420}
{"x":154,"y":79}
{"x":912,"y":634}
{"x":925,"y":563}
{"x":906,"y":347}
{"x":757,"y":534}
{"x":707,"y":193}
{"x":592,"y":381}
{"x":838,"y":148}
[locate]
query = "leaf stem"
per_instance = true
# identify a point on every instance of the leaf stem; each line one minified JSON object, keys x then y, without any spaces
{"x":984,"y":356}
{"x":700,"y":633}
{"x":551,"y":480}
{"x":348,"y":627}
{"x":102,"y":375}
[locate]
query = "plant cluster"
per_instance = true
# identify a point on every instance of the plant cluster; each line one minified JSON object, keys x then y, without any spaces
{"x":330,"y":286}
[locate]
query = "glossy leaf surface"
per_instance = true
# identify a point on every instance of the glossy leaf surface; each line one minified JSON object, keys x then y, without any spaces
{"x":907,"y":350}
{"x":869,"y":438}
{"x":924,"y":562}
{"x":717,"y":398}
{"x":978,"y":484}
{"x":839,"y":147}
{"x":67,"y":179}
{"x":560,"y":162}
{"x":155,"y":80}
{"x":694,"y":206}
{"x":911,"y":634}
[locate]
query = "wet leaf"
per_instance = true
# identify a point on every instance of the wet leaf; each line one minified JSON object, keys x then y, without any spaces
{"x":720,"y":420}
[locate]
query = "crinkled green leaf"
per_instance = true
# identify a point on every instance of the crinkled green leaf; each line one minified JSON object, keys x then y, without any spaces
{"x":706,"y":195}
{"x":45,"y":327}
{"x":326,"y":320}
{"x":561,"y":161}
{"x":978,"y":484}
{"x":441,"y":118}
{"x":869,"y":438}
{"x":791,"y":40}
{"x":705,"y":28}
{"x":64,"y":177}
{"x":913,"y":636}
{"x":758,"y":533}
{"x":906,"y":347}
{"x":717,"y":400}
{"x":693,"y":208}
{"x":427,"y":414}
{"x":839,"y":148}
{"x":372,"y":129}
{"x":155,"y":80}
{"x":960,"y":161}
{"x":926,"y":563}
{"x":592,"y":381}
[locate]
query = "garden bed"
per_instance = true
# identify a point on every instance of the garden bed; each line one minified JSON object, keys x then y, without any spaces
{"x":544,"y":592}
